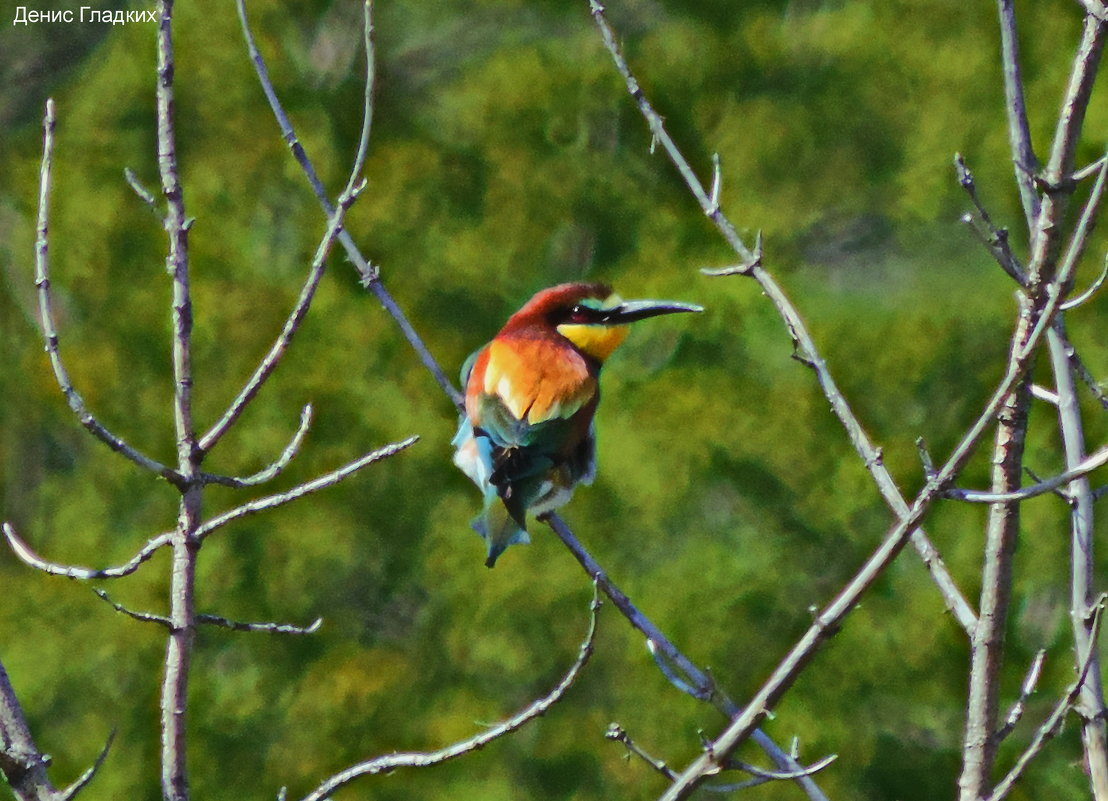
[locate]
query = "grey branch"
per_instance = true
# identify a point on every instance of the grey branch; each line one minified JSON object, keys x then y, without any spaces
{"x":390,"y":762}
{"x":83,"y":780}
{"x":354,"y":187}
{"x":1052,"y":725}
{"x":49,"y":326}
{"x":322,"y":482}
{"x":619,"y":734}
{"x":1088,"y":294}
{"x":368,"y":273}
{"x":29,"y":557}
{"x":1030,"y":682}
{"x":275,"y":469}
{"x":995,"y":239}
{"x":267,"y":628}
{"x":1094,"y":461}
{"x":142,"y":617}
{"x":696,"y":682}
{"x":22,"y":763}
{"x":751,"y":265}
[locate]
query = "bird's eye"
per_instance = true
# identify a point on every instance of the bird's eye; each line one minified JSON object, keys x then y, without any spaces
{"x":579,"y":313}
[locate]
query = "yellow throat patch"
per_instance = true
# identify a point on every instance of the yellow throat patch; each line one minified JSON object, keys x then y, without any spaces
{"x":597,"y":341}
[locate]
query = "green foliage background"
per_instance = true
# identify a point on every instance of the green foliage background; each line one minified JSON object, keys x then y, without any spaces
{"x":506,"y":157}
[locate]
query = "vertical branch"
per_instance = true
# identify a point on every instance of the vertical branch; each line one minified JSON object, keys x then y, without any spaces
{"x":182,"y":612}
{"x":1090,"y":703}
{"x":979,"y":745}
{"x":1019,"y":132}
{"x":987,"y":642}
{"x":23,"y":765}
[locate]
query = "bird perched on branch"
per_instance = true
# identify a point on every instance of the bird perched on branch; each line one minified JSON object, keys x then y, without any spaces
{"x":526,"y":438}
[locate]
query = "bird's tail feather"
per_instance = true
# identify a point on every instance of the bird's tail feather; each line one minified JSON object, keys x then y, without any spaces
{"x":498,"y":528}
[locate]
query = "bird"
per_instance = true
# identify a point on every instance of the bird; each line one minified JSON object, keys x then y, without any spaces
{"x":526,"y":436}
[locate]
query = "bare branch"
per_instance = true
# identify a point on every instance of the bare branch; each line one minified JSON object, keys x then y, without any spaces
{"x":83,"y":780}
{"x":1096,"y":460}
{"x":995,"y":239}
{"x":274,"y":469}
{"x":142,"y":617}
{"x":49,"y":327}
{"x":1094,"y":736}
{"x":1088,"y":294}
{"x":23,"y":764}
{"x":267,"y":628}
{"x":1030,"y":682}
{"x":1024,"y":161}
{"x":292,"y":323}
{"x":22,"y":550}
{"x":322,"y":482}
{"x":390,"y":762}
{"x":698,"y":683}
{"x":367,"y":272}
{"x":1051,"y":726}
{"x":618,"y":734}
{"x":751,"y":265}
{"x":144,"y":194}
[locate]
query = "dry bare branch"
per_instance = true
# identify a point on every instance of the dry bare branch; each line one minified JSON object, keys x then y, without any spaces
{"x":697,"y":683}
{"x":299,"y":491}
{"x":390,"y":762}
{"x":367,"y":272}
{"x":29,"y":557}
{"x":275,"y":469}
{"x":142,"y":617}
{"x":266,"y":628}
{"x":751,"y":265}
{"x":49,"y":326}
{"x":1030,"y":682}
{"x":1089,"y":464}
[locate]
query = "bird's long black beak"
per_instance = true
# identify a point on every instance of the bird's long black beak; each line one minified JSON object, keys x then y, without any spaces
{"x":631,"y":310}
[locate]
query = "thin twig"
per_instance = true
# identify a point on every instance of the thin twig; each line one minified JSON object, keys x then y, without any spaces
{"x":1052,"y":725}
{"x":1030,"y":682}
{"x":142,"y":617}
{"x":274,"y":469}
{"x":29,"y":557}
{"x":1089,"y":464}
{"x":698,"y":683}
{"x":83,"y":780}
{"x":299,"y":491}
{"x":751,"y":265}
{"x":368,"y":273}
{"x":292,"y":323}
{"x":49,"y":326}
{"x":1088,"y":294}
{"x":266,"y":628}
{"x":390,"y":762}
{"x":995,"y":239}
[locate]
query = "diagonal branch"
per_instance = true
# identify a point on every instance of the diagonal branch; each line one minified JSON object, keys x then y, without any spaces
{"x":697,"y":683}
{"x":390,"y":762}
{"x":1078,"y":471}
{"x":807,"y":352}
{"x":292,"y":323}
{"x":367,"y":272}
{"x":315,"y":485}
{"x":274,"y":469}
{"x":49,"y":327}
{"x":346,"y":199}
{"x":1019,"y":132}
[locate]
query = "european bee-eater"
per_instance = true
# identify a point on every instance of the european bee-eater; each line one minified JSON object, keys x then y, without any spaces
{"x":526,"y":437}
